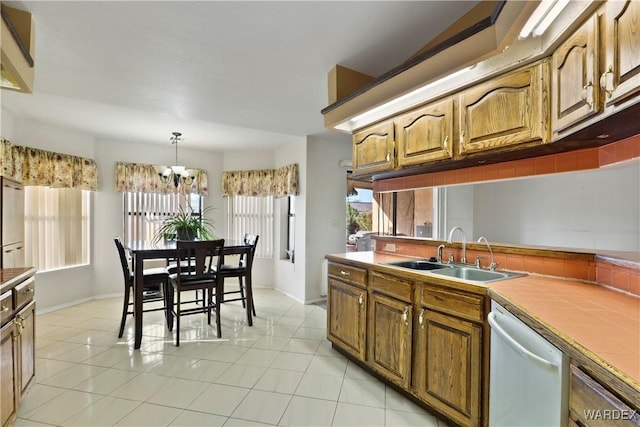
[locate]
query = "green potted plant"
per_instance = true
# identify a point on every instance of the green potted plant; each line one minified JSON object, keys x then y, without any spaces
{"x":186,"y":226}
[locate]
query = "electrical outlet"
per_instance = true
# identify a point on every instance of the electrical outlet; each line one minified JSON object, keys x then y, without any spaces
{"x":389,"y":247}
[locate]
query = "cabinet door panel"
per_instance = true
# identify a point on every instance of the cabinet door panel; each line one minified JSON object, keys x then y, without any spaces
{"x":346,"y":317}
{"x":373,"y":149}
{"x":448,"y":365}
{"x":622,"y":66}
{"x":425,"y":134}
{"x":390,"y":342}
{"x":27,"y":347}
{"x":8,"y":385}
{"x":575,"y":72}
{"x":505,"y":111}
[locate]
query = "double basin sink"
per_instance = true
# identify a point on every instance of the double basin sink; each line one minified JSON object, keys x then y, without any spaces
{"x":457,"y":271}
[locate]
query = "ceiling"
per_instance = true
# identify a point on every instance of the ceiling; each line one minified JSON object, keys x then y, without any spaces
{"x":229,"y":75}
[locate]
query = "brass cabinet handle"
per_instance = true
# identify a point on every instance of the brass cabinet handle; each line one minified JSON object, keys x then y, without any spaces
{"x":587,"y":94}
{"x":361,"y":299}
{"x":446,"y":143}
{"x":606,"y":81}
{"x":405,"y":316}
{"x":388,"y":156}
{"x":421,"y":318}
{"x":18,"y":322}
{"x":345,"y":273}
{"x":462,"y":134}
{"x":4,"y":309}
{"x":27,"y":291}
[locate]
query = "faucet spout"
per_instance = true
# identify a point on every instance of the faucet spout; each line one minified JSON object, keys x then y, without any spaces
{"x":493,"y":264}
{"x":439,"y":253}
{"x":464,"y":242}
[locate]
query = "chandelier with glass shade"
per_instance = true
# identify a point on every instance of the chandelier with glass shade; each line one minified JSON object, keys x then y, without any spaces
{"x":175,"y":174}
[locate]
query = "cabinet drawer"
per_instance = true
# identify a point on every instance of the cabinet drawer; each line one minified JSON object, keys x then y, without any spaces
{"x":6,"y":307}
{"x":23,"y":293}
{"x":452,"y":302}
{"x":590,"y":404}
{"x":391,"y":286}
{"x":347,"y":273}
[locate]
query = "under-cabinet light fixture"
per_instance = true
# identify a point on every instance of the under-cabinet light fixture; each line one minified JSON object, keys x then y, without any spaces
{"x":408,"y":100}
{"x":546,"y":12}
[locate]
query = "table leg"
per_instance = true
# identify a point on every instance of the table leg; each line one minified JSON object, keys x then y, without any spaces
{"x":138,"y":285}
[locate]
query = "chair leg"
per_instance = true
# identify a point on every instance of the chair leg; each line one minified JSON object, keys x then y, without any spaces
{"x":209,"y":294}
{"x":168,"y":304}
{"x":218,"y":302}
{"x":177,"y":292}
{"x":242,"y":292}
{"x":125,"y":309}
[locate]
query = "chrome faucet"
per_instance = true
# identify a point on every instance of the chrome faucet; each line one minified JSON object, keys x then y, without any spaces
{"x":493,"y":264}
{"x":464,"y":242}
{"x":439,"y":253}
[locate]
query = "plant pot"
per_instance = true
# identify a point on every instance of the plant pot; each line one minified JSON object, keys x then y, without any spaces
{"x":185,"y":234}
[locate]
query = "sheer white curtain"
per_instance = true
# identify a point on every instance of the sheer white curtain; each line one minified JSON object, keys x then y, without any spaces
{"x":57,"y":224}
{"x":252,"y":215}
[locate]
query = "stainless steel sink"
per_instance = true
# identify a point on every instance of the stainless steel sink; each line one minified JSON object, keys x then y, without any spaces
{"x":476,"y":275}
{"x":420,"y":265}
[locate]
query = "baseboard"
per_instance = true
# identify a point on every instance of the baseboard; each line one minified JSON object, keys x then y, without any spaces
{"x":61,"y":306}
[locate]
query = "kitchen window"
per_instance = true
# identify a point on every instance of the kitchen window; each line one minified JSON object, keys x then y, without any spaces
{"x":145,"y":212}
{"x":57,"y":227}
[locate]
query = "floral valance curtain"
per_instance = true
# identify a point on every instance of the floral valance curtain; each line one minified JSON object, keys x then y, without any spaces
{"x":265,"y":182}
{"x":140,"y":177}
{"x":36,"y":167}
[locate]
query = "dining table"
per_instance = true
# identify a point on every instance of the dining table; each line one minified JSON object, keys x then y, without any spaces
{"x":167,"y":249}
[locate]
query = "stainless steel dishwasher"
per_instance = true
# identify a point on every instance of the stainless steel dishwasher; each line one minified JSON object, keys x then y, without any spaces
{"x":529,"y":380}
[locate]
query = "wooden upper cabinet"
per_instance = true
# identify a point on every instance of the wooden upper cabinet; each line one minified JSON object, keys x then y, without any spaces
{"x":373,"y":149}
{"x":425,"y":134}
{"x":575,"y":95}
{"x":621,"y":74}
{"x":506,"y":111}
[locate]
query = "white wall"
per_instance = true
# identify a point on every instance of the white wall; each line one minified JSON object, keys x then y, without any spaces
{"x":591,"y":210}
{"x":326,"y":207}
{"x":289,"y":278}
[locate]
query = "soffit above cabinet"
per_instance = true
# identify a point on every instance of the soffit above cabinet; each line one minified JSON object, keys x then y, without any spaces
{"x":480,"y":45}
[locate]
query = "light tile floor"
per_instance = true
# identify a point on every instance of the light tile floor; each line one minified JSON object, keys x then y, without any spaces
{"x":282,"y":371}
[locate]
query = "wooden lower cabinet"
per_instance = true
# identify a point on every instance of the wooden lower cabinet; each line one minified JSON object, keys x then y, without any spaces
{"x":593,"y":405}
{"x":448,"y":366}
{"x":346,"y":317}
{"x":390,"y":334}
{"x":8,"y":386}
{"x":26,"y":347}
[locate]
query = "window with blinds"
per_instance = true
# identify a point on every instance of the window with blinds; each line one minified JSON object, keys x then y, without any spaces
{"x":57,"y":225}
{"x":144,"y":212}
{"x":252,"y":215}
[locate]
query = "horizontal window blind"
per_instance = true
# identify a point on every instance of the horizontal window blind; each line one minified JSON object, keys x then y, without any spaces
{"x":252,"y":215}
{"x":57,"y":224}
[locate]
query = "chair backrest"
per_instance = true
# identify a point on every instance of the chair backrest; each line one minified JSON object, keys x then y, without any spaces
{"x":251,"y":239}
{"x":195,"y":258}
{"x":123,"y":260}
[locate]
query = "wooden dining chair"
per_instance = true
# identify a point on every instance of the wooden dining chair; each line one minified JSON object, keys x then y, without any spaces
{"x":195,"y":271}
{"x":242,"y":271}
{"x":154,"y":286}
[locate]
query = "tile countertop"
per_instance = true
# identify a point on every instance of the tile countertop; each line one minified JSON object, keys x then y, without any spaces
{"x":599,"y":323}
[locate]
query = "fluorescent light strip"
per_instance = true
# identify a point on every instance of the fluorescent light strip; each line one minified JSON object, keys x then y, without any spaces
{"x":407,"y":100}
{"x":550,"y":17}
{"x":537,"y":16}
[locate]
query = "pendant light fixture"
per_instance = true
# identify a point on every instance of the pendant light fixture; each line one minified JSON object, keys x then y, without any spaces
{"x":176,"y":173}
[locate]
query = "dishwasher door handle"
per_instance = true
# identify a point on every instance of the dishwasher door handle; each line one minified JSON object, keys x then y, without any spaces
{"x":493,"y":322}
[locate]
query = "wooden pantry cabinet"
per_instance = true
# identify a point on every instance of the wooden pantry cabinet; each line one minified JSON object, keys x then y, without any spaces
{"x":506,"y":111}
{"x":423,"y":337}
